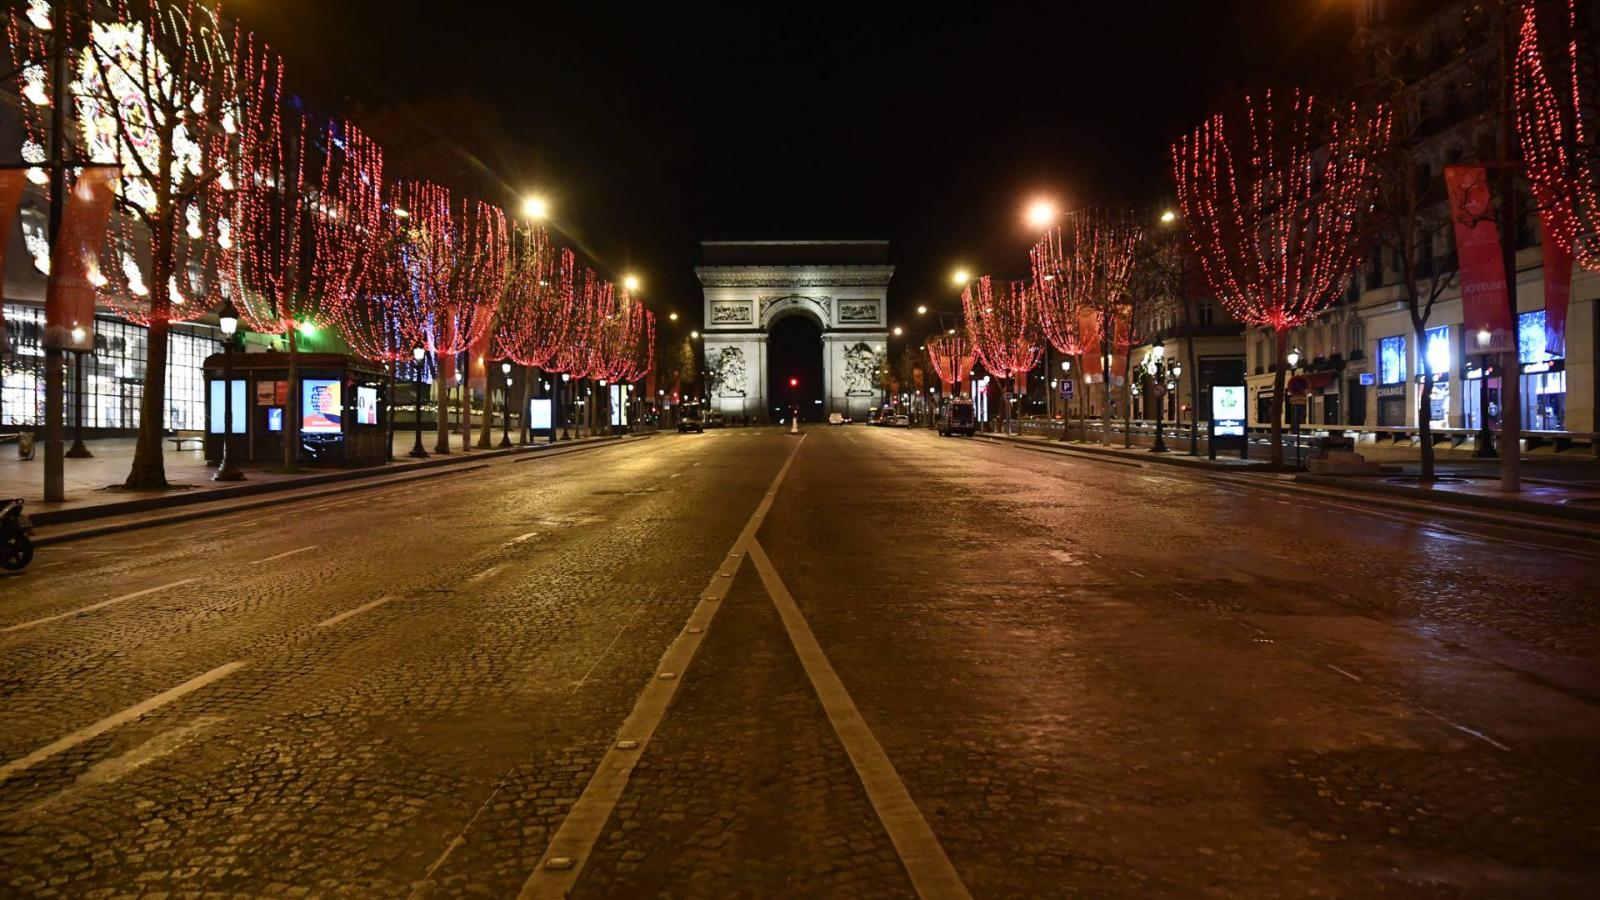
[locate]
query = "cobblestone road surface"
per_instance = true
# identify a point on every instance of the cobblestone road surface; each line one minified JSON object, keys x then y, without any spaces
{"x":1091,"y":679}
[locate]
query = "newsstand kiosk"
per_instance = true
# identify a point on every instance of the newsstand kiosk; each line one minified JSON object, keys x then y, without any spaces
{"x":343,"y":409}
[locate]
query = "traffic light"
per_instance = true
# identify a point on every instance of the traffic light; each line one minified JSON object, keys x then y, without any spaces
{"x":794,"y":382}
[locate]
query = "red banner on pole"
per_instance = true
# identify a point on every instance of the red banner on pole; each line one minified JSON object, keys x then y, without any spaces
{"x":69,"y":294}
{"x":1557,"y":293}
{"x":12,"y":183}
{"x":478,"y":361}
{"x":1485,"y":310}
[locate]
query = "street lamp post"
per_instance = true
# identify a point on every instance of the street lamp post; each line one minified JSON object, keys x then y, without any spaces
{"x":1166,"y":380}
{"x":1293,"y":359}
{"x":505,"y":408}
{"x":1066,"y":408}
{"x":229,"y":319}
{"x":566,"y":378}
{"x":417,"y":355}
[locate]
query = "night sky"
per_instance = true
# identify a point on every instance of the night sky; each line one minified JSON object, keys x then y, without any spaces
{"x":654,"y":126}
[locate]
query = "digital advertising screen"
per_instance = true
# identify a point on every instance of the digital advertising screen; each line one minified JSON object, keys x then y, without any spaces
{"x":219,"y":408}
{"x":1227,"y":410}
{"x":366,"y":405}
{"x":321,"y":411}
{"x":275,"y":419}
{"x":539,"y":414}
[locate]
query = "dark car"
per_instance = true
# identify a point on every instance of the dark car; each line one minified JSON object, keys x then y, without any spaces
{"x":958,"y":419}
{"x":689,"y":420}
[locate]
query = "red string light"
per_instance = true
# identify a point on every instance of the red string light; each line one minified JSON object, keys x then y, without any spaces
{"x":951,"y":358}
{"x":1273,"y":196}
{"x":1004,"y":325}
{"x":1557,"y":88}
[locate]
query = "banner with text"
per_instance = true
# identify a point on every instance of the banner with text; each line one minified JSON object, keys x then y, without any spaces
{"x":12,"y":183}
{"x":69,"y":294}
{"x":1485,"y":309}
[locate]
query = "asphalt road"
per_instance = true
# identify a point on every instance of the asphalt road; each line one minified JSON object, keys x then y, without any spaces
{"x":865,"y":663}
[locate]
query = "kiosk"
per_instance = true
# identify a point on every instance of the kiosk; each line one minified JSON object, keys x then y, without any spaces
{"x":343,"y":408}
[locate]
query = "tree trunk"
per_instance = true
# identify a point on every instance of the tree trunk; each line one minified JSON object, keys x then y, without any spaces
{"x":524,"y":431}
{"x":291,"y":418}
{"x":1127,"y":397}
{"x":441,"y":396}
{"x":1424,"y":401}
{"x":389,"y":425}
{"x":149,"y":471}
{"x":1279,"y":372}
{"x":484,"y":430}
{"x":466,"y":409}
{"x":1105,"y":412}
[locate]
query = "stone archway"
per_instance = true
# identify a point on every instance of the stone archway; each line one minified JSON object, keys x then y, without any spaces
{"x":751,"y":286}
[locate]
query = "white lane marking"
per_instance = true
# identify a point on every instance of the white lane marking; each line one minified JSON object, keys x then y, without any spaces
{"x":109,"y":770}
{"x":925,"y":860}
{"x":675,"y":475}
{"x":1132,"y":572}
{"x":136,"y":711}
{"x":1348,"y":675}
{"x":485,"y":573}
{"x":349,"y":613}
{"x":521,"y":537}
{"x":620,"y":633}
{"x":564,"y":858}
{"x":1480,"y":736}
{"x":283,"y":555}
{"x":23,"y":626}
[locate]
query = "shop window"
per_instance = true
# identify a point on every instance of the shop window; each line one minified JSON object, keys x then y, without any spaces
{"x":1436,"y":356}
{"x":1392,"y":360}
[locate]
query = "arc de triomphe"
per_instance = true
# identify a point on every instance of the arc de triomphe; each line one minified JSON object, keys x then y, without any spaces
{"x":749,"y":285}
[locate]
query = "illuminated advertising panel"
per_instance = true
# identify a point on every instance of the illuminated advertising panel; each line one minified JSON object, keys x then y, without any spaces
{"x":1227,"y":410}
{"x":321,"y":410}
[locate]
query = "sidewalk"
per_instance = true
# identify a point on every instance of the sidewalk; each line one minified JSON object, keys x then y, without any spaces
{"x":94,"y":486}
{"x":1179,"y":455}
{"x":1577,"y":501}
{"x":1463,"y":486}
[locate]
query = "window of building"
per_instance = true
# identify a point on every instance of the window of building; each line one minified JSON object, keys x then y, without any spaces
{"x":1358,"y":338}
{"x":1436,"y":355}
{"x":113,"y":375}
{"x":1392,"y":360}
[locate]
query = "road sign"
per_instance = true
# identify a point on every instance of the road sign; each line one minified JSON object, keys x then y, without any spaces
{"x":1299,"y":386}
{"x":1066,"y":388}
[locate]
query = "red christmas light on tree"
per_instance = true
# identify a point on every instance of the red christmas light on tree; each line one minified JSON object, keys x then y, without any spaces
{"x":1558,"y":120}
{"x":1273,"y":194}
{"x":536,"y":312}
{"x":596,"y":302}
{"x":1004,"y":325}
{"x":950,"y":355}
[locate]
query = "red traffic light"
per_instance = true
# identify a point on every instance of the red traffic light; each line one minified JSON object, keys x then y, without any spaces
{"x":794,"y":382}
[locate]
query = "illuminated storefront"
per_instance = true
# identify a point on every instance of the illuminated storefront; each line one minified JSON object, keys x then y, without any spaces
{"x":112,"y":378}
{"x":1544,"y":377}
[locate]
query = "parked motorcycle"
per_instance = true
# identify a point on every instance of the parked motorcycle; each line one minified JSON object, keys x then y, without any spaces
{"x":16,"y":548}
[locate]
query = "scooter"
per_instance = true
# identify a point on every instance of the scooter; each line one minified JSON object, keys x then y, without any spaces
{"x":16,"y":548}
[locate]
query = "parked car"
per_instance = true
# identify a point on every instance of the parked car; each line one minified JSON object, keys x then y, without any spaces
{"x":837,"y":419}
{"x":900,"y":421}
{"x":958,"y":419}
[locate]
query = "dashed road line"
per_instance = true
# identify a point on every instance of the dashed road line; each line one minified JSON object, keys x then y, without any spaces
{"x":931,"y":872}
{"x":109,"y":770}
{"x":24,"y":626}
{"x":351,"y":613}
{"x":564,"y":857}
{"x":137,"y":711}
{"x":1349,"y":675}
{"x":486,"y":573}
{"x":284,"y":555}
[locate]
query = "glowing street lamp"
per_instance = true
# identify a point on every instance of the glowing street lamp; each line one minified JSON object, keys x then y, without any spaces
{"x":898,"y":331}
{"x":1169,"y":217}
{"x":229,"y":321}
{"x":535,"y":208}
{"x":960,"y":277}
{"x":1041,"y":213}
{"x":631,"y":282}
{"x":922,"y":310}
{"x":505,"y":406}
{"x":418,"y":354}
